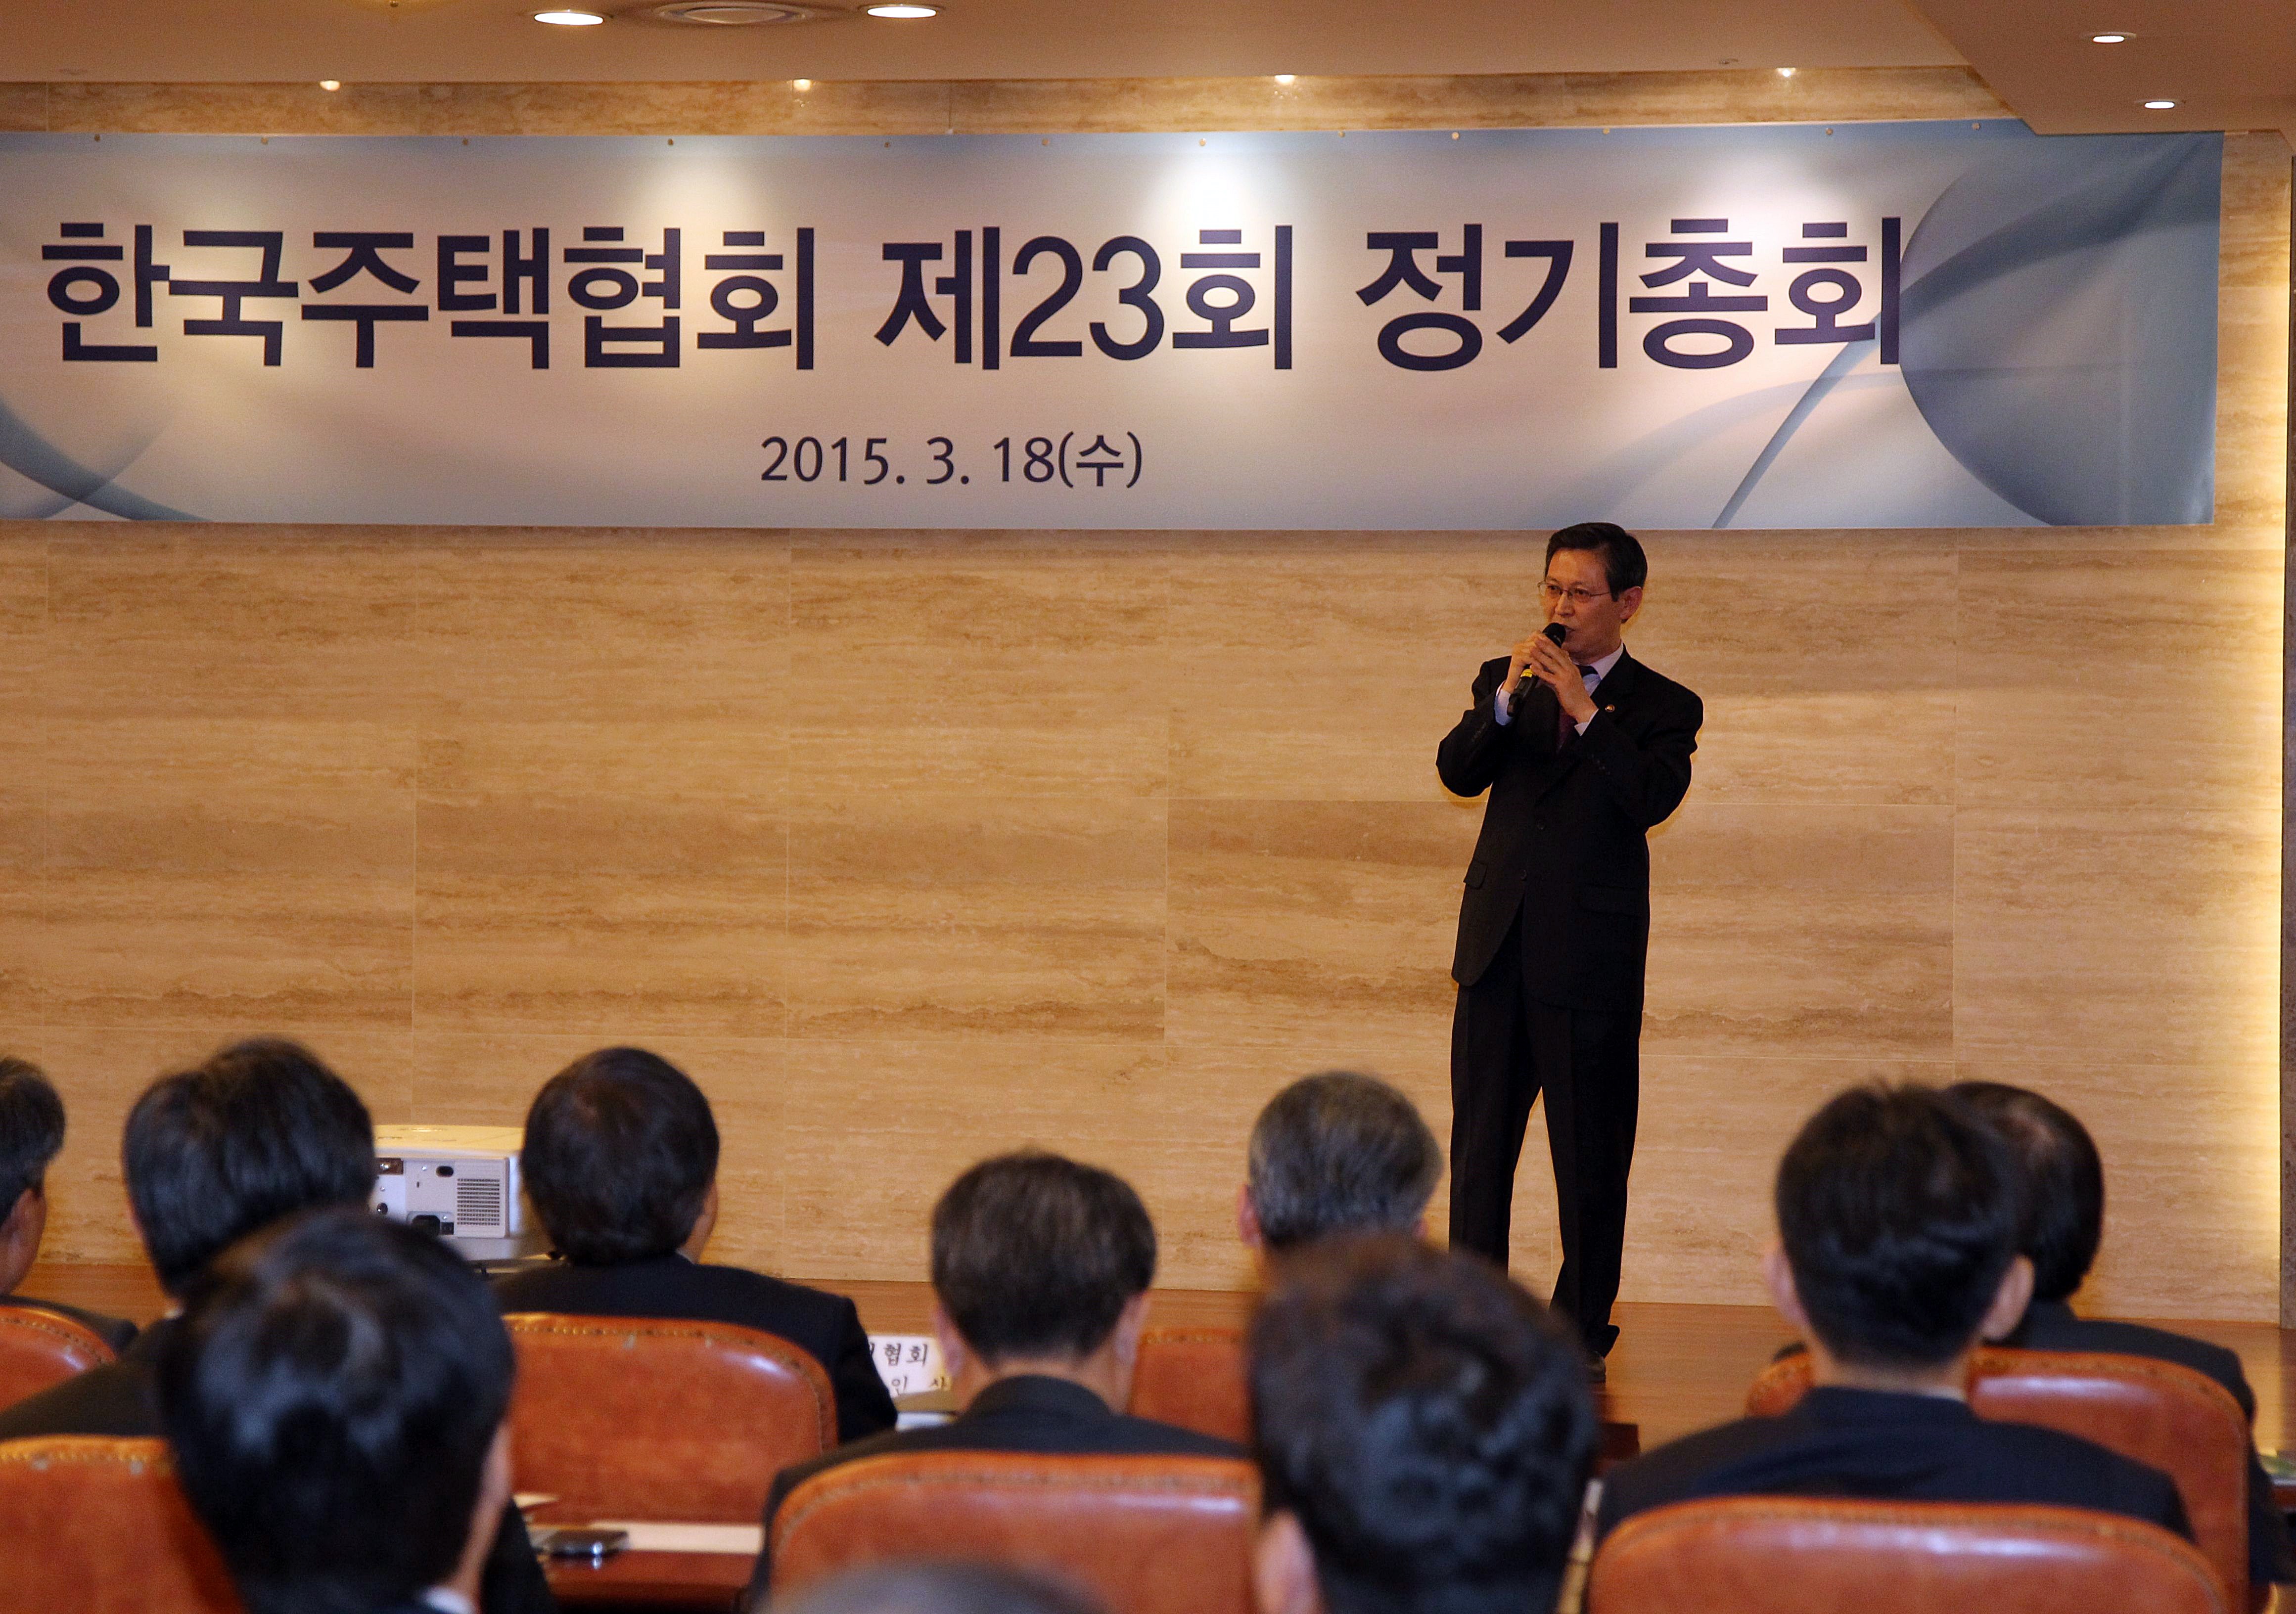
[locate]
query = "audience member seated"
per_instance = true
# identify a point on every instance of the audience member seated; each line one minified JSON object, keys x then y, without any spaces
{"x":620,"y":1161}
{"x":334,"y":1394}
{"x":31,"y":1131}
{"x":1335,"y":1153}
{"x":1423,"y":1433}
{"x":210,"y":1155}
{"x":1040,"y":1273}
{"x":2065,"y":1223}
{"x":1899,"y":1213}
{"x":940,"y":1588}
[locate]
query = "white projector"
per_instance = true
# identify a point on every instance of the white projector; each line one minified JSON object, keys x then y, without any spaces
{"x":461,"y":1182}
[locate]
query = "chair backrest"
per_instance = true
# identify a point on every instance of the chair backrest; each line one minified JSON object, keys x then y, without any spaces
{"x":40,"y":1348}
{"x":98,"y":1526}
{"x":2156,"y":1413}
{"x":1818,"y":1555}
{"x":1194,"y":1376}
{"x":1147,"y":1535}
{"x":635,"y":1417}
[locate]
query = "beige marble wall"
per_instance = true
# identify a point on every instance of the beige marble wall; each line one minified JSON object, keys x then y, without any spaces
{"x":1157,"y":829}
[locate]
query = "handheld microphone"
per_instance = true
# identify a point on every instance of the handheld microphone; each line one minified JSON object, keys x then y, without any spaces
{"x":1555,"y":633}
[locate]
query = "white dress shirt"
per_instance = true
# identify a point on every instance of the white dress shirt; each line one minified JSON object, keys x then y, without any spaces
{"x":1602,"y":666}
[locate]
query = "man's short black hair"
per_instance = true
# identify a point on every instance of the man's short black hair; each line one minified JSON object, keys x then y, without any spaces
{"x":1427,"y":1423}
{"x":2064,"y":1181}
{"x":330,"y":1392}
{"x":1034,"y":1255}
{"x":926,"y":1586}
{"x":213,"y":1153}
{"x":1900,"y":1209}
{"x":1624,"y":564}
{"x":1339,"y":1153}
{"x":620,"y":1152}
{"x":31,"y":1130}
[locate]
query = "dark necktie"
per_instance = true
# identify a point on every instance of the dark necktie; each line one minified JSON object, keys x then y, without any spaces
{"x":1565,"y":730}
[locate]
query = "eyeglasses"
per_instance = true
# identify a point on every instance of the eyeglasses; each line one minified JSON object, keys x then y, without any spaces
{"x":1579,"y":596}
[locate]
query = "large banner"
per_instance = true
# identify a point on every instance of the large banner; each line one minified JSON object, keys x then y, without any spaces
{"x":1878,"y":325}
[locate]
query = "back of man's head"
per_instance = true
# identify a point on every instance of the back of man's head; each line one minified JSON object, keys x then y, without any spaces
{"x":31,"y":1130}
{"x":1426,"y":1423}
{"x":1036,"y":1257}
{"x":331,"y":1394}
{"x":928,"y":1586}
{"x":619,"y":1153}
{"x":1899,"y":1210}
{"x":260,"y":1130}
{"x":2064,"y":1181}
{"x":1339,"y":1153}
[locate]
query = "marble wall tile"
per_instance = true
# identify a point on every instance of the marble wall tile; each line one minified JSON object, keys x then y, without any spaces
{"x":23,"y":108}
{"x":1295,"y":921}
{"x":2192,"y":1176}
{"x":489,"y":1079}
{"x":231,"y":109}
{"x":2122,"y":936}
{"x":101,"y":1070}
{"x":767,"y":107}
{"x":1823,"y":930}
{"x":916,"y":916}
{"x":2150,"y":677}
{"x":23,"y":769}
{"x":1008,"y":666}
{"x":2254,"y":246}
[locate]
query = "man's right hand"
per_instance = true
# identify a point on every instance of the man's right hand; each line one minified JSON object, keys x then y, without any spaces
{"x":1519,"y":658}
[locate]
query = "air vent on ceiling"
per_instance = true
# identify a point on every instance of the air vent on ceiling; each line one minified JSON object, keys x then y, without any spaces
{"x":738,"y":13}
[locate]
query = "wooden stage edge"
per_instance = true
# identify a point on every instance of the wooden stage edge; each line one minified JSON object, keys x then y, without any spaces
{"x":1676,"y":1368}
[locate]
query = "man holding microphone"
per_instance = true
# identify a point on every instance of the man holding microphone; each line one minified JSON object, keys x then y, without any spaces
{"x":1584,"y":750}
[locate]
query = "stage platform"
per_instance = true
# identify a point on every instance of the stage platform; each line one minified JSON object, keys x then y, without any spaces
{"x":1676,"y":1368}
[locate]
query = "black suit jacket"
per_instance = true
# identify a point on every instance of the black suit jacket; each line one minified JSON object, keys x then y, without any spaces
{"x":117,"y":1332}
{"x":824,"y":1326}
{"x":2051,"y":1325}
{"x":1567,"y":826}
{"x":1878,"y":1447}
{"x":1026,"y":1414}
{"x":120,"y":1399}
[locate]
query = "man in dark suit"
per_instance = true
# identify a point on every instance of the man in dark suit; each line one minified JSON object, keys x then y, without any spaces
{"x":1584,"y":750}
{"x":31,"y":1133}
{"x":334,"y":1395}
{"x":2065,"y":1223}
{"x":211,"y":1154}
{"x":1423,"y":1434}
{"x":620,"y":1159}
{"x":1040,"y":1274}
{"x":1900,"y":1212}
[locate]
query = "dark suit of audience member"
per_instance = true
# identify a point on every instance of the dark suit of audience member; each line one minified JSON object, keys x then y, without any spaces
{"x":2064,"y":1225}
{"x":1900,"y":1212}
{"x":1040,"y":1273}
{"x":620,"y":1161}
{"x":31,"y":1134}
{"x":1423,"y":1434}
{"x":342,"y":1439}
{"x":260,"y":1131}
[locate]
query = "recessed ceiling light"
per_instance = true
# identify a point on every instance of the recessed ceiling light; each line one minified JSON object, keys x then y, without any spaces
{"x":570,"y":19}
{"x":331,"y":84}
{"x":2159,"y":106}
{"x":738,"y":14}
{"x":2108,"y":39}
{"x":800,"y":85}
{"x":904,"y":12}
{"x":1286,"y":77}
{"x":1785,"y":72}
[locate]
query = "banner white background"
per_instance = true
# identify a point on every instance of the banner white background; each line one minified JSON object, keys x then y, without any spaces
{"x":448,"y":428}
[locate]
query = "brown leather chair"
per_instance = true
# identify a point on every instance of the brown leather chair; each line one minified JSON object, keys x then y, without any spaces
{"x":1194,"y":1376}
{"x":635,"y":1418}
{"x":97,"y":1526}
{"x":2160,"y":1414}
{"x":1818,"y":1555}
{"x":1147,"y":1535}
{"x":40,"y":1348}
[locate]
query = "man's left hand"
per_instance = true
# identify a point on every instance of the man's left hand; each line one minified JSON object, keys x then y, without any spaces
{"x":1550,"y":665}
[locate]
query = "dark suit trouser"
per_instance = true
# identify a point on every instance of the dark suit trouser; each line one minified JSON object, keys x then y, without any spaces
{"x":1507,"y":1048}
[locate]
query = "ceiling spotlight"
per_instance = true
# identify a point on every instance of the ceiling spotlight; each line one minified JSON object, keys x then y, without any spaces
{"x":570,"y":19}
{"x":800,"y":85}
{"x":331,"y":84}
{"x":1286,"y":78}
{"x":902,"y":13}
{"x":2108,"y":39}
{"x":2159,"y":106}
{"x":1785,"y":72}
